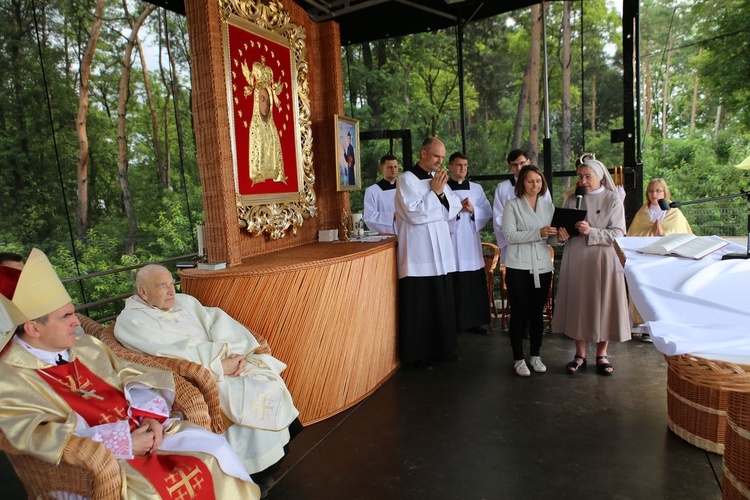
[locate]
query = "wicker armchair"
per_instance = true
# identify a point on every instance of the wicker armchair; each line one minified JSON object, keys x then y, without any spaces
{"x":87,"y":467}
{"x":491,"y":255}
{"x":195,"y":374}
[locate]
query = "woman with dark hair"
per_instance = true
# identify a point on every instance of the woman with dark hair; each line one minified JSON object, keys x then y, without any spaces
{"x":592,"y":303}
{"x":528,"y":267}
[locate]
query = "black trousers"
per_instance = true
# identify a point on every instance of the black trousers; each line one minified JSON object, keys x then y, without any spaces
{"x":526,"y":305}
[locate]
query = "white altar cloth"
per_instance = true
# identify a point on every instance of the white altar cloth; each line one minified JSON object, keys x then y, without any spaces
{"x":701,"y":307}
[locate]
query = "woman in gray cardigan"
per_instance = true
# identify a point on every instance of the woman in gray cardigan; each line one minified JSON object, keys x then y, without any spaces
{"x":528,"y":267}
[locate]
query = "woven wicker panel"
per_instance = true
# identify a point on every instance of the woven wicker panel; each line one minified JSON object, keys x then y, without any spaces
{"x":327,"y":310}
{"x":225,"y":240}
{"x":698,"y":392}
{"x":696,"y":413}
{"x":736,"y":480}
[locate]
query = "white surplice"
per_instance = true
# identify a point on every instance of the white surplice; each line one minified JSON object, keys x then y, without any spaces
{"x":465,"y":227}
{"x":380,"y":207}
{"x":424,"y":240}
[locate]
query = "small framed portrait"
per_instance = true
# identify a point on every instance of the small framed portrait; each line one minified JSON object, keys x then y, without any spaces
{"x":348,"y":170}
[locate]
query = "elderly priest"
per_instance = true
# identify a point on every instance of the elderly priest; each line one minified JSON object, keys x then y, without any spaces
{"x":58,"y":382}
{"x":252,"y":394}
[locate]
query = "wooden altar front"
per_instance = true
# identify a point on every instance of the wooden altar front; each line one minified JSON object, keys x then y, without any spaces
{"x":328,"y":310}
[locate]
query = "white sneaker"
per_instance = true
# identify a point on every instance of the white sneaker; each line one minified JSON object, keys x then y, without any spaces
{"x":521,"y":369}
{"x":537,"y":365}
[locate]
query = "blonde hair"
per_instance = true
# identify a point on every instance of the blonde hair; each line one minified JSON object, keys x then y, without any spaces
{"x":659,"y":182}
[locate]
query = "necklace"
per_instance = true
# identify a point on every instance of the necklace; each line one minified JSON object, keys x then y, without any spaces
{"x":76,"y":387}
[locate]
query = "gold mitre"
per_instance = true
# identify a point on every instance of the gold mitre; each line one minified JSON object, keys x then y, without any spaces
{"x":39,"y":291}
{"x":263,"y":74}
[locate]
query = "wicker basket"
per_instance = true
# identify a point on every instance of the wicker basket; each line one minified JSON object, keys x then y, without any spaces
{"x":736,"y":481}
{"x":698,"y":392}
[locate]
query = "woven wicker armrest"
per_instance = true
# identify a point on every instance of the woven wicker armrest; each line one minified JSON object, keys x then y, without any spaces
{"x":87,"y":468}
{"x":189,"y":381}
{"x":263,"y":348}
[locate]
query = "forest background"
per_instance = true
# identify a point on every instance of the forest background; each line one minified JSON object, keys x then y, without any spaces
{"x":98,"y":154}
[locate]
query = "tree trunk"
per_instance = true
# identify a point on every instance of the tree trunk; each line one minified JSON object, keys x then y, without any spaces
{"x":593,"y":101}
{"x":648,"y":103}
{"x":159,"y":158}
{"x":534,"y":104}
{"x":167,"y":166}
{"x":371,"y":93}
{"x":717,"y":126}
{"x":176,"y":101}
{"x":566,"y":111}
{"x":665,"y":96}
{"x":122,"y":144}
{"x":82,"y":221}
{"x":694,"y":108}
{"x":522,"y":99}
{"x":406,"y":69}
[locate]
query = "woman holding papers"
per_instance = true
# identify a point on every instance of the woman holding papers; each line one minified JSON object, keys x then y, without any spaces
{"x":651,"y":220}
{"x":528,"y":268}
{"x":592,"y":303}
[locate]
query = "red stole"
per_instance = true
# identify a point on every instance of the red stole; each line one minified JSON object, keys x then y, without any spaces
{"x":173,"y":476}
{"x":112,"y":406}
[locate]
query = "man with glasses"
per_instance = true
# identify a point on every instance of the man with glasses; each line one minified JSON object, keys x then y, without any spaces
{"x":517,"y":159}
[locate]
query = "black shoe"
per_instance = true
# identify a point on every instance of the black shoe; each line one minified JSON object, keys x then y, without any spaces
{"x":423,"y":365}
{"x":264,"y":483}
{"x":478,"y":329}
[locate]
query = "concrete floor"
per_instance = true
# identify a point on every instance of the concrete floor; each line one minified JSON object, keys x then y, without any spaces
{"x":474,"y":430}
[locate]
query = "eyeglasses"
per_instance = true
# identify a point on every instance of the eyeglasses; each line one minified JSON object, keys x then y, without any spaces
{"x":519,"y":163}
{"x":655,"y":190}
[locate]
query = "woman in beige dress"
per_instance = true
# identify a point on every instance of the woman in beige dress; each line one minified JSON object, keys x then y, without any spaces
{"x":592,"y":303}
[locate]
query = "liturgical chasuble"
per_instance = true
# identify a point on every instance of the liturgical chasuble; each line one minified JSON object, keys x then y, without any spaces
{"x":100,"y":396}
{"x":258,"y":401}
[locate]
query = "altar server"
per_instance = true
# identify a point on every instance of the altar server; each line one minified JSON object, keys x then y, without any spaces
{"x":470,"y":280}
{"x":426,"y":263}
{"x":380,"y":204}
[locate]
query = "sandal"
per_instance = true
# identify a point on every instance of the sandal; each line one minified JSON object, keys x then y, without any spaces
{"x":605,"y":368}
{"x":574,"y":366}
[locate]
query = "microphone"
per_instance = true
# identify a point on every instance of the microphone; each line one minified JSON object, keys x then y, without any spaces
{"x":580,"y":191}
{"x":664,"y":204}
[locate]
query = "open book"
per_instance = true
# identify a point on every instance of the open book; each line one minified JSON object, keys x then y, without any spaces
{"x":685,"y":245}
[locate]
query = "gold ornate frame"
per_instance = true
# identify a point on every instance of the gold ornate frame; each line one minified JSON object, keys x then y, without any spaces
{"x":268,"y":213}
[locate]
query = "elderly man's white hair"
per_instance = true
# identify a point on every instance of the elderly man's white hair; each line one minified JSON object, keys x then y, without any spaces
{"x":147,"y":273}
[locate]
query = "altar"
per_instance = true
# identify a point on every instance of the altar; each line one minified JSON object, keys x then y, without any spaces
{"x":698,"y":316}
{"x":328,"y":310}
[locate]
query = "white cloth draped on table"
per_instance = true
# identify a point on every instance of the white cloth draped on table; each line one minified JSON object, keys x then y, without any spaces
{"x":701,"y":307}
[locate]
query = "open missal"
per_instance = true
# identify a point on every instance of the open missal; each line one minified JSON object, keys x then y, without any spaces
{"x":685,"y":245}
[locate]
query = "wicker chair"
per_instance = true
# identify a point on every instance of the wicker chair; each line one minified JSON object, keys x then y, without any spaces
{"x":548,"y":304}
{"x":195,"y":374}
{"x":87,"y":467}
{"x":491,"y":254}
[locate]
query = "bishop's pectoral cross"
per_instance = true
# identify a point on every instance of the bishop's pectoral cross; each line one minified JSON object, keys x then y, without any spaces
{"x":80,"y":388}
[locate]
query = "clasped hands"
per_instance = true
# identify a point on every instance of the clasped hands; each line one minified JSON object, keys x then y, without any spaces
{"x":147,"y":438}
{"x":438,"y":181}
